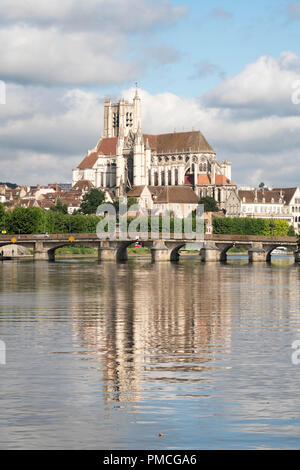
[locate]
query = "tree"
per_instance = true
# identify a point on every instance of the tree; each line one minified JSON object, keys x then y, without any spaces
{"x":2,"y":218}
{"x":291,"y":231}
{"x":261,"y":185}
{"x":60,"y":207}
{"x":210,"y":204}
{"x":130,"y":202}
{"x":91,"y":201}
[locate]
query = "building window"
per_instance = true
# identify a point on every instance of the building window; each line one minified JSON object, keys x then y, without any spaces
{"x":176,"y":177}
{"x":115,"y":119}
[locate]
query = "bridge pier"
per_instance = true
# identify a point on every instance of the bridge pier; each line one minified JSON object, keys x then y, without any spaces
{"x":257,"y":254}
{"x":210,"y":253}
{"x":159,"y":251}
{"x":112,"y":251}
{"x":297,"y":256}
{"x":42,"y":254}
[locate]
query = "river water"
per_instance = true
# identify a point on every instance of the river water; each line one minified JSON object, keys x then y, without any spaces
{"x":107,"y":356}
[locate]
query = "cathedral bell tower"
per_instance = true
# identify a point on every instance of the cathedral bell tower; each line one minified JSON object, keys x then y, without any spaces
{"x":122,"y":115}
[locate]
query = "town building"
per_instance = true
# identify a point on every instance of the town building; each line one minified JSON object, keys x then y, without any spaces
{"x":292,"y":203}
{"x":264,"y":203}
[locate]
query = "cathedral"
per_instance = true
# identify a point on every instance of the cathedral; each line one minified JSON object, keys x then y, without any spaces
{"x":126,"y":158}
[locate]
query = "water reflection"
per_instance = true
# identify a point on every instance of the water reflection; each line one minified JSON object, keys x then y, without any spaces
{"x":158,"y":319}
{"x":207,"y":342}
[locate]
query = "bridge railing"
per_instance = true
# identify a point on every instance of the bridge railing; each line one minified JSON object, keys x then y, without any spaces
{"x":250,"y":238}
{"x":145,"y":236}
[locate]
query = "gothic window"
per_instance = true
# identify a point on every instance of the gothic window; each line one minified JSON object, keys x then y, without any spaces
{"x":201,"y":167}
{"x":128,"y":119}
{"x":180,"y":157}
{"x":149,"y":177}
{"x":115,"y":119}
{"x":167,"y":159}
{"x":156,"y":179}
{"x":176,"y":177}
{"x":173,"y":159}
{"x":205,"y":167}
{"x":187,"y":159}
{"x":163,"y":178}
{"x":159,"y":159}
{"x":169,"y":178}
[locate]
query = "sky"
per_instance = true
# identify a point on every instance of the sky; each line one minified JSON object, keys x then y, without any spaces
{"x":230,"y":69}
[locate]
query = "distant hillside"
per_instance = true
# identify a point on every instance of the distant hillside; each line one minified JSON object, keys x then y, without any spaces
{"x":10,"y":185}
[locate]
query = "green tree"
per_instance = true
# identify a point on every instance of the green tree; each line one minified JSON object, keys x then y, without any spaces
{"x":60,"y":207}
{"x":2,"y":214}
{"x":130,"y":202}
{"x":210,"y":205}
{"x":261,"y":185}
{"x":291,"y":231}
{"x":91,"y":201}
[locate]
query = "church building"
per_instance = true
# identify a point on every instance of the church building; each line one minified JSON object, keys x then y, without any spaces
{"x":125,"y":158}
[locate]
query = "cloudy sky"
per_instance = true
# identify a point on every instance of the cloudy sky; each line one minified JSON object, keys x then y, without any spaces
{"x":225,"y":67}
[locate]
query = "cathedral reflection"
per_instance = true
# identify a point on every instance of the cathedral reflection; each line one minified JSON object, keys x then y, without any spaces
{"x":164,"y":320}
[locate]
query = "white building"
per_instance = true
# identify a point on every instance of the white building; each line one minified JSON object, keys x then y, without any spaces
{"x":125,"y":157}
{"x":177,"y":201}
{"x":292,"y":203}
{"x":266,"y":204}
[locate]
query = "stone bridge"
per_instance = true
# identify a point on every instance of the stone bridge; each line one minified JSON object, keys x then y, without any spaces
{"x":214,"y":247}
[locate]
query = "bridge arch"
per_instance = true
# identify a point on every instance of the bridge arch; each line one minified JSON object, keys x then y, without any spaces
{"x":51,"y":251}
{"x":269,"y":250}
{"x":174,"y":254}
{"x":122,"y":254}
{"x":12,"y":249}
{"x":224,"y":248}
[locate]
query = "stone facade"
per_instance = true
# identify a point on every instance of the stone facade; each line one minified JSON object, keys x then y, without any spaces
{"x":125,"y":158}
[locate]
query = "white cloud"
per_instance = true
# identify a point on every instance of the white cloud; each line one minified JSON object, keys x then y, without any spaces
{"x":51,"y":57}
{"x":121,"y":15}
{"x":48,"y":131}
{"x":72,"y":42}
{"x":264,"y":86}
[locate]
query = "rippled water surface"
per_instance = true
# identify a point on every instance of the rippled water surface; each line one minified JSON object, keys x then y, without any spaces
{"x":107,"y":356}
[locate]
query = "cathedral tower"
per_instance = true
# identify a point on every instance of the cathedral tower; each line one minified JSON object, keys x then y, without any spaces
{"x":122,"y":115}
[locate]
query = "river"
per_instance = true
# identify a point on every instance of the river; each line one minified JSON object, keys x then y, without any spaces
{"x":149,"y":356}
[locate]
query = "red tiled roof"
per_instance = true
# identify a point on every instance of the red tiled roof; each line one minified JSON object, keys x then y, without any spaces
{"x":220,"y":179}
{"x":203,"y":179}
{"x":177,"y":195}
{"x":178,"y":142}
{"x":89,"y":161}
{"x":288,"y":193}
{"x":83,"y":185}
{"x":107,"y":146}
{"x":260,"y":196}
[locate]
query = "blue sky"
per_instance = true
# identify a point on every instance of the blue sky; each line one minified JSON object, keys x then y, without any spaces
{"x":224,"y":34}
{"x":227,"y":68}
